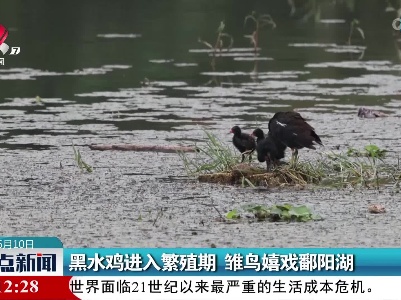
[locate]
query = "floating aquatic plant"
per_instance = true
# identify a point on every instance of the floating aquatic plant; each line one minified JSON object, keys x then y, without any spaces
{"x":369,"y":151}
{"x":275,"y":213}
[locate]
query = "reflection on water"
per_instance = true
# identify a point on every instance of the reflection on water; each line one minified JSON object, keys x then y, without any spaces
{"x":116,"y":35}
{"x":146,"y":70}
{"x":27,"y":74}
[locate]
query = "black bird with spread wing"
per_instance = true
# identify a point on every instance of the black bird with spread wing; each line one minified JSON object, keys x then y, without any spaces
{"x":293,"y":131}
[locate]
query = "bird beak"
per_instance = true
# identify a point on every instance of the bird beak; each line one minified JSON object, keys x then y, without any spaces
{"x":230,"y":132}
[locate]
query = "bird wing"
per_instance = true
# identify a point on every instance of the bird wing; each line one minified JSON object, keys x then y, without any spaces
{"x":248,"y":140}
{"x":291,"y":126}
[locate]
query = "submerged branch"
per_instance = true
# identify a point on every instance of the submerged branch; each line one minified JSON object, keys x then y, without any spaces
{"x":147,"y":148}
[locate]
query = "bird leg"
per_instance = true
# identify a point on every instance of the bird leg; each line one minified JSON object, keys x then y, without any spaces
{"x":247,"y":152}
{"x":270,"y":164}
{"x":267,"y":165}
{"x":294,"y":157}
{"x":250,"y":156}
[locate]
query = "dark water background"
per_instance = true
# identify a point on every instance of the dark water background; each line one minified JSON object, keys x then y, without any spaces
{"x":89,"y":82}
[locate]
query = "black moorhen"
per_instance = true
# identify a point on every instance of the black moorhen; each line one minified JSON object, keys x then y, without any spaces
{"x":243,"y":142}
{"x":292,"y":130}
{"x":268,"y":148}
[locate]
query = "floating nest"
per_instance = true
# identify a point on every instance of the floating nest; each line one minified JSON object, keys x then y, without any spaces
{"x":281,"y":176}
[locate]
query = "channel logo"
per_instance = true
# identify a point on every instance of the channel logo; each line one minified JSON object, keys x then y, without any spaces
{"x":3,"y":46}
{"x":397,"y":24}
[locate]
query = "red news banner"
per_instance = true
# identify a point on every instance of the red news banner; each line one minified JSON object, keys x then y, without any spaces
{"x":32,"y":268}
{"x":36,"y":287}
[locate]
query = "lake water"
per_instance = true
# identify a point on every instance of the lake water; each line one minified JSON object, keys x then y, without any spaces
{"x":134,"y":72}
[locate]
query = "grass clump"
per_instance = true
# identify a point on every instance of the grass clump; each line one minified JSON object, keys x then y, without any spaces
{"x":355,"y":27}
{"x":80,"y":162}
{"x":276,"y":213}
{"x":212,"y":158}
{"x":217,"y":163}
{"x":364,"y":168}
{"x":39,"y":100}
{"x":219,"y":44}
{"x":260,"y":22}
